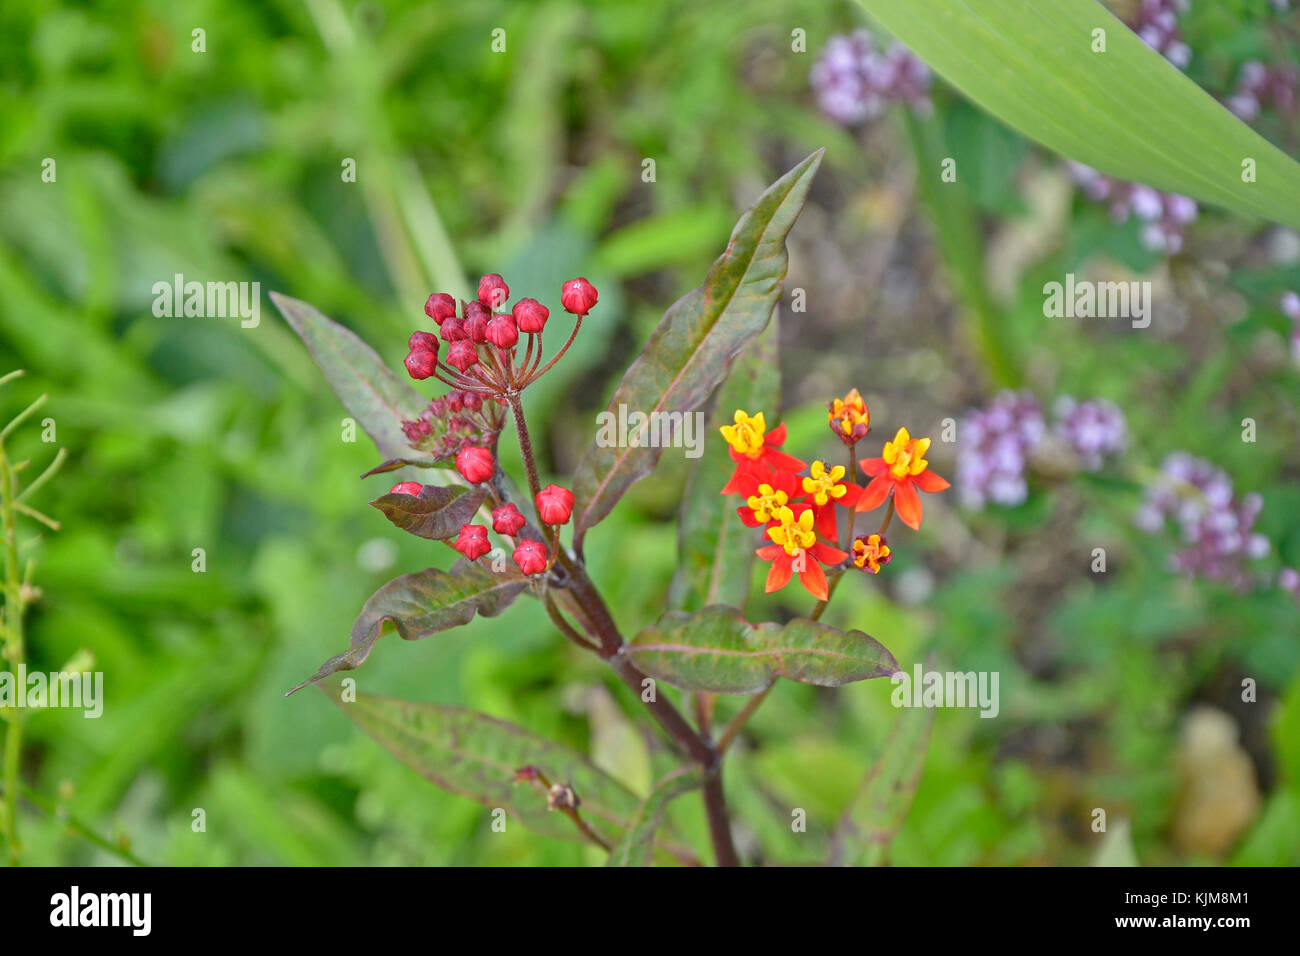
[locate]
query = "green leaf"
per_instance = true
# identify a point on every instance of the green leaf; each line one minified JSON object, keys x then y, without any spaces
{"x":880,"y":807}
{"x":375,"y":396}
{"x":717,"y":650}
{"x":638,"y":841}
{"x":424,"y":603}
{"x":476,"y":756}
{"x":697,"y":340}
{"x":393,"y":464}
{"x":435,"y":512}
{"x":714,"y":549}
{"x":1127,"y":112}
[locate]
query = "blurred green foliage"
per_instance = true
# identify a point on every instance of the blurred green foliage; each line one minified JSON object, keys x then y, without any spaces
{"x":197,"y":433}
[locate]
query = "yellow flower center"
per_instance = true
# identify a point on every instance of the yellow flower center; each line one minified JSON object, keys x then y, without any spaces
{"x":746,"y":436}
{"x":793,"y":534}
{"x":869,"y":553}
{"x":767,"y":503}
{"x":825,"y":485}
{"x":850,"y":410}
{"x":905,"y":455}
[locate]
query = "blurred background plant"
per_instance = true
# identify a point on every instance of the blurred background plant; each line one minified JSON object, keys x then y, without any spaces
{"x":1120,"y":690}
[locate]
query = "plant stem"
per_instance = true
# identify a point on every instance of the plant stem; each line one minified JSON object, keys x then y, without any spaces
{"x":603,"y":627}
{"x":736,"y":723}
{"x":13,"y":654}
{"x":79,"y":828}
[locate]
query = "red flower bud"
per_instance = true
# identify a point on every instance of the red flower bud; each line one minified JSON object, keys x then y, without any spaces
{"x":531,"y":556}
{"x":476,"y":327}
{"x":531,"y":315}
{"x":462,"y":354}
{"x":440,"y":306}
{"x":554,"y":504}
{"x":420,"y":363}
{"x":578,"y":296}
{"x":422,"y":342}
{"x":507,"y":520}
{"x":493,"y":291}
{"x":472,"y":541}
{"x":406,"y":488}
{"x":501,"y":331}
{"x":453,"y":330}
{"x":475,"y":464}
{"x":472,"y":402}
{"x":477,"y":308}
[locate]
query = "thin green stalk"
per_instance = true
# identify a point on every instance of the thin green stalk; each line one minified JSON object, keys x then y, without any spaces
{"x":13,"y":654}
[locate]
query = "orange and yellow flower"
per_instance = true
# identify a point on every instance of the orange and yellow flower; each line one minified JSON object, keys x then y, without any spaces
{"x":825,"y":488}
{"x":871,"y":553}
{"x":751,"y":442}
{"x":901,"y":470}
{"x":766,"y":492}
{"x":848,"y":418}
{"x":795,"y":549}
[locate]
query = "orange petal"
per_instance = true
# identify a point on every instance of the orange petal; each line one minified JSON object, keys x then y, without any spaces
{"x":813,"y":578}
{"x":852,"y":493}
{"x":874,"y":495}
{"x":929,"y":481}
{"x":826,"y":522}
{"x":908,"y":503}
{"x":775,"y":437}
{"x":826,"y":554}
{"x":781,"y":461}
{"x":770,"y":551}
{"x":872,"y":466}
{"x":778,"y":576}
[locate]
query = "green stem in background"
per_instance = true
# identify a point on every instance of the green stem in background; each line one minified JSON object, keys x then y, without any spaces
{"x":958,"y":231}
{"x":13,"y":653}
{"x":79,"y":828}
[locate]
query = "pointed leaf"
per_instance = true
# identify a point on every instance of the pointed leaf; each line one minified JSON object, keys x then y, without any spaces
{"x":717,"y":650}
{"x":697,"y":340}
{"x":880,"y":807}
{"x":424,"y":603}
{"x":476,"y":756}
{"x":638,"y":840}
{"x":435,"y":512}
{"x":714,"y":559}
{"x":375,"y":396}
{"x":392,"y":464}
{"x":1126,"y":111}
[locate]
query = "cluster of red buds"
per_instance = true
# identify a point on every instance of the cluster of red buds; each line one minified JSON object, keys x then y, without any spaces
{"x":455,"y":421}
{"x":482,"y":338}
{"x":796,"y":504}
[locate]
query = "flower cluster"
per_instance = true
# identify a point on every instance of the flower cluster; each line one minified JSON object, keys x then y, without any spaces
{"x":482,"y":338}
{"x":1216,"y":525}
{"x":485,"y":372}
{"x":1290,"y":306}
{"x":797,"y":504}
{"x":454,"y":421}
{"x":1156,"y":22}
{"x":1262,"y":87}
{"x":1164,"y":216}
{"x":998,"y":441}
{"x":854,"y":82}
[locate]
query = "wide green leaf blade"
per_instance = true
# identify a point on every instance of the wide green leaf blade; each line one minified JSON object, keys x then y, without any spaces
{"x":639,"y":839}
{"x":714,"y":548}
{"x":697,"y":340}
{"x":880,"y":807}
{"x":476,"y":756}
{"x":1127,"y":111}
{"x":374,"y":395}
{"x":718,"y":651}
{"x":434,"y":513}
{"x":424,"y":603}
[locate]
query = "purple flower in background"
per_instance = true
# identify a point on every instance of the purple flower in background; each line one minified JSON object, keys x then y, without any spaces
{"x":1288,"y":579}
{"x":1094,"y":429}
{"x":1260,"y":87}
{"x":1164,"y":216}
{"x":993,"y":454}
{"x":1216,"y":525}
{"x":1290,"y":305}
{"x":854,"y":82}
{"x":1157,"y":24}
